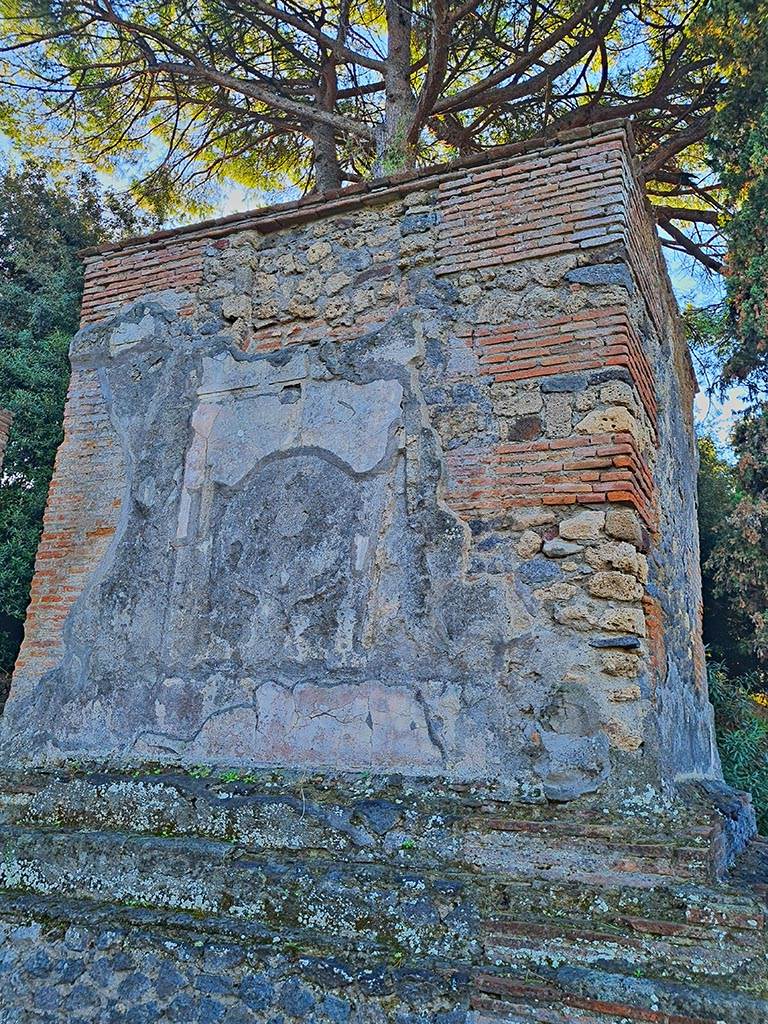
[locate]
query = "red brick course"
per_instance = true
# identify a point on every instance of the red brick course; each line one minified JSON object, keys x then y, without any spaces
{"x":655,"y":628}
{"x":570,"y":343}
{"x":542,"y":205}
{"x":112,"y":280}
{"x":581,"y":469}
{"x":501,"y":995}
{"x":80,"y":520}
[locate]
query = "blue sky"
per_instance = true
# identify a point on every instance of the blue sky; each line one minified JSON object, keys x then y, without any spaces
{"x":713,"y":415}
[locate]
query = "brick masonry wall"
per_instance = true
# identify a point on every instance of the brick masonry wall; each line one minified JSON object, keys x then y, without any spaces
{"x":80,"y":520}
{"x":114,"y":279}
{"x":493,"y":352}
{"x":6,"y":419}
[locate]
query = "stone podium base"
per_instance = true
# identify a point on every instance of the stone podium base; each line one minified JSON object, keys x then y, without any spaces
{"x":276,"y":897}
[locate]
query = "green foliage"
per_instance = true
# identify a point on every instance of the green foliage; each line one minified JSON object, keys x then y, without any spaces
{"x":742,"y":731}
{"x":33,"y":382}
{"x":178,"y":133}
{"x":271,"y":92}
{"x":747,"y":286}
{"x":733,"y":526}
{"x":738,"y":31}
{"x":727,"y":629}
{"x":42,"y":227}
{"x":717,"y":494}
{"x":738,"y":561}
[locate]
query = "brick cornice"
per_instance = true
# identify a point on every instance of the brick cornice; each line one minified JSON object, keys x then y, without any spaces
{"x":272,"y":218}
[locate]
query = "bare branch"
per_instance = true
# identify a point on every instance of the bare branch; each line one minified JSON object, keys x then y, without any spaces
{"x":334,"y":46}
{"x":196,"y":68}
{"x":688,"y":245}
{"x":461,"y":101}
{"x":687,"y":213}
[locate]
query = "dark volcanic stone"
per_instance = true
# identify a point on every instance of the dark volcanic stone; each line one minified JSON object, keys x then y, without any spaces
{"x":134,"y":986}
{"x":566,"y":382}
{"x":380,"y":815}
{"x":296,"y":998}
{"x":412,"y":223}
{"x":602,"y":274}
{"x":335,"y":1010}
{"x":524,"y":428}
{"x":257,"y":991}
{"x":539,"y":572}
{"x":39,"y":964}
{"x":628,"y":642}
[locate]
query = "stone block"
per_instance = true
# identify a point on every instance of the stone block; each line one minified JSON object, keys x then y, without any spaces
{"x":318,"y":251}
{"x":559,"y":548}
{"x":539,"y":572}
{"x":235,"y":307}
{"x":618,"y":663}
{"x":624,"y":524}
{"x":624,"y":620}
{"x":569,"y":382}
{"x":336,"y":282}
{"x":625,"y":694}
{"x":529,"y":544}
{"x":615,"y":419}
{"x":558,"y":414}
{"x":621,"y":556}
{"x":524,"y":428}
{"x":529,"y":518}
{"x":626,"y":642}
{"x":598,"y":274}
{"x":619,"y":392}
{"x":616,"y":586}
{"x":584,"y":526}
{"x":509,"y":400}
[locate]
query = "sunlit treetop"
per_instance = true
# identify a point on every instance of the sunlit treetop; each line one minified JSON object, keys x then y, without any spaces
{"x":267,"y":94}
{"x":181,"y":98}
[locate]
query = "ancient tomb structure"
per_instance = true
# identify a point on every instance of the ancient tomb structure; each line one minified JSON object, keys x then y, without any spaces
{"x":368,"y":592}
{"x":399,"y":481}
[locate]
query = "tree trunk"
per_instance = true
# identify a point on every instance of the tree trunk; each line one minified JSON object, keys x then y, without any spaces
{"x":325,"y":158}
{"x":394,"y":153}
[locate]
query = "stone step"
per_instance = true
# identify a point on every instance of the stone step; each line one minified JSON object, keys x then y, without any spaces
{"x":140,"y":949}
{"x":750,"y":873}
{"x":394,"y":911}
{"x":593,"y":1012}
{"x":393,"y":908}
{"x":592,"y":996}
{"x":81,"y":962}
{"x":391,"y":885}
{"x":397,"y":909}
{"x":587,"y":860}
{"x":486,"y":1012}
{"x":180,"y":872}
{"x":684,"y":908}
{"x":529,"y":945}
{"x":362,"y":820}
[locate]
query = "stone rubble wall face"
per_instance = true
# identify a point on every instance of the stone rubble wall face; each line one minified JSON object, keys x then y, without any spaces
{"x":407,"y":486}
